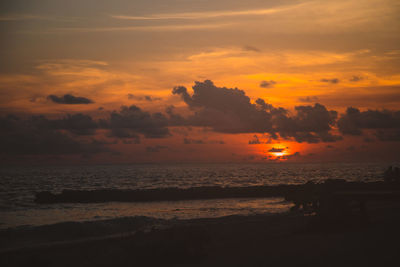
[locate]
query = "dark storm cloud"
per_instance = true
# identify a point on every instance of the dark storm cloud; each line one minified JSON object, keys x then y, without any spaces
{"x":229,"y":110}
{"x":386,"y":123}
{"x":38,"y":136}
{"x":69,"y":99}
{"x":131,"y":121}
{"x":308,"y":99}
{"x":267,"y":84}
{"x":333,"y":81}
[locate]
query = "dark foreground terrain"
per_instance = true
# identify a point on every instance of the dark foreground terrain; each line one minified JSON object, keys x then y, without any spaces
{"x":261,"y":240}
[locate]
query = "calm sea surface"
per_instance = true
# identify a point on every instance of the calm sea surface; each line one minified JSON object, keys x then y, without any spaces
{"x":19,"y":184}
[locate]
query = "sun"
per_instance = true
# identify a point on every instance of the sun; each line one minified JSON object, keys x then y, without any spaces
{"x":279,"y":154}
{"x":279,"y":150}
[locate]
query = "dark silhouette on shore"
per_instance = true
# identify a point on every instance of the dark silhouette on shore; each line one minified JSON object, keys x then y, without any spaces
{"x":392,"y":174}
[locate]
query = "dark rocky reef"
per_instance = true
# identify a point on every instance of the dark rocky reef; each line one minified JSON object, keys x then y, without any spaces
{"x":304,"y":196}
{"x":162,"y":194}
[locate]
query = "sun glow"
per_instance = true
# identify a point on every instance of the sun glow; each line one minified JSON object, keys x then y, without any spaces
{"x":279,"y":150}
{"x":279,"y":154}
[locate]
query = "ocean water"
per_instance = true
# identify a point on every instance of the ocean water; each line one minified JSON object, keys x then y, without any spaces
{"x":18,"y":186}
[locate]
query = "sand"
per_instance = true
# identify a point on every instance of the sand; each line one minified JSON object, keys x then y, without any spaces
{"x":262,"y":240}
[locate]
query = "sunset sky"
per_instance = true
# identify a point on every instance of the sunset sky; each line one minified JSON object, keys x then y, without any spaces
{"x":121,"y":81}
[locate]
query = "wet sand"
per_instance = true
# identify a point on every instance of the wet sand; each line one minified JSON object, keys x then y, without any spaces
{"x":261,"y":240}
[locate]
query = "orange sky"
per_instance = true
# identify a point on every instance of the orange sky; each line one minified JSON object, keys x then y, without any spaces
{"x":290,"y":53}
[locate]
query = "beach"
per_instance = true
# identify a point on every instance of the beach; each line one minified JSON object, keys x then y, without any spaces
{"x":290,"y":239}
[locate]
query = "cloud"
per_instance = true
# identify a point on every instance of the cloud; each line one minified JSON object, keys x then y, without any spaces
{"x":218,"y":142}
{"x":224,"y":109}
{"x":255,"y":141}
{"x":155,"y":149}
{"x":311,"y":124}
{"x":294,"y":155}
{"x":205,"y":14}
{"x":276,"y":150}
{"x":333,"y":81}
{"x":308,"y":99}
{"x":388,"y":135}
{"x":21,"y":17}
{"x":144,"y":97}
{"x":188,"y":141}
{"x":131,"y":141}
{"x":139,"y":28}
{"x":69,"y":99}
{"x":251,"y":48}
{"x":356,"y":79}
{"x":229,"y":110}
{"x":36,"y":136}
{"x":131,"y":121}
{"x":80,"y":124}
{"x":385,"y":122}
{"x":267,"y":84}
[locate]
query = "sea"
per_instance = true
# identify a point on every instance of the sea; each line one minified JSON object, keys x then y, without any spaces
{"x":18,"y":186}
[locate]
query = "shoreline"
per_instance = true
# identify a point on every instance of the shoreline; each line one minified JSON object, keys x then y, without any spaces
{"x":280,"y":240}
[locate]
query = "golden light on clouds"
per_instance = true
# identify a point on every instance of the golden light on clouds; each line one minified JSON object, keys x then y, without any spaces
{"x":290,"y":54}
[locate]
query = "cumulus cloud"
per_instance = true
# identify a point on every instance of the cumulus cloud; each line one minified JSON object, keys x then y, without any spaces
{"x":385,"y":122}
{"x":229,"y":110}
{"x":38,"y":136}
{"x":80,"y":124}
{"x":69,"y":99}
{"x":131,"y":121}
{"x":311,"y":124}
{"x":267,"y":84}
{"x":333,"y":81}
{"x":70,"y":135}
{"x":224,"y":109}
